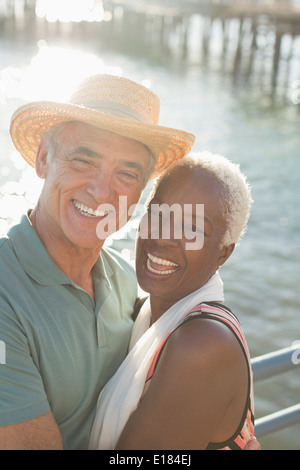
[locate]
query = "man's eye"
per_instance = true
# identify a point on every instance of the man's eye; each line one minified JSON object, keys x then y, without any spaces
{"x":128,"y":175}
{"x":83,"y":162}
{"x":80,"y":160}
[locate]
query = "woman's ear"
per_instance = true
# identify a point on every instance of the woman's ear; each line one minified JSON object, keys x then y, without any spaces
{"x":225,"y":253}
{"x":41,"y":163}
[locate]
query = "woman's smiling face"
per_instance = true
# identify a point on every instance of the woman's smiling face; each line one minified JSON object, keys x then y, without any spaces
{"x":165,"y":267}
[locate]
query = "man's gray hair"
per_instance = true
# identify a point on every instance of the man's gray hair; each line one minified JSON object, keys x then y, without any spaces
{"x":51,"y":138}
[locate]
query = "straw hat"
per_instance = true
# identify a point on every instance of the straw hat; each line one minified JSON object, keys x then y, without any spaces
{"x":109,"y":102}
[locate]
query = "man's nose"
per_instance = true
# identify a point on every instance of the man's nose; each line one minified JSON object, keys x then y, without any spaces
{"x":101,"y":187}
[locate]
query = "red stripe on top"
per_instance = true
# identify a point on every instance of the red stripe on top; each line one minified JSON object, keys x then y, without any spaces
{"x":152,"y":367}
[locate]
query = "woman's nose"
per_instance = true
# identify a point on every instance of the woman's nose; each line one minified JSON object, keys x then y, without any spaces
{"x":165,"y":242}
{"x":164,"y":233}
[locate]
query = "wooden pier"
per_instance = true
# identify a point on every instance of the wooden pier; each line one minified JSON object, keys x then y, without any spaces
{"x":252,"y":34}
{"x":167,"y":28}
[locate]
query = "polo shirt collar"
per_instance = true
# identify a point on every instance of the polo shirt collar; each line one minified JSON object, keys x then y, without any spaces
{"x":37,"y":262}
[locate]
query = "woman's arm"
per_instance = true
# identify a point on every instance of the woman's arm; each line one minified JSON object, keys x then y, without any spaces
{"x":197,"y":394}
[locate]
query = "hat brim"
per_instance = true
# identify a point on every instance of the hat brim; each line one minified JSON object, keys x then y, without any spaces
{"x":30,"y":121}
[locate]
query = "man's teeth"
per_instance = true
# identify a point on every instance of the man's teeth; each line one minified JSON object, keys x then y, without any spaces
{"x":87,"y":211}
{"x":160,"y":261}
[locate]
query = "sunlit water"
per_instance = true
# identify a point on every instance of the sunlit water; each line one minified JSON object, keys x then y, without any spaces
{"x":262,"y":278}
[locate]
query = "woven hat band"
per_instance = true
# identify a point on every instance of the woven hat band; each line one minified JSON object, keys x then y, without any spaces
{"x":116,"y":109}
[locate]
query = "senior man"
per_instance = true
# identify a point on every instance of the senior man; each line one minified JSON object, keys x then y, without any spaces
{"x":65,"y":300}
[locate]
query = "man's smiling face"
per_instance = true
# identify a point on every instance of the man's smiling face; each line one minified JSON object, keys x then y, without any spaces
{"x":90,"y":167}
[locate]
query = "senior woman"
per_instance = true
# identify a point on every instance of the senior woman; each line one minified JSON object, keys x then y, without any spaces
{"x":187,"y":381}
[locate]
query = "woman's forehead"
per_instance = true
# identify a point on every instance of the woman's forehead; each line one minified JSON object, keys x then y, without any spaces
{"x":188,"y":182}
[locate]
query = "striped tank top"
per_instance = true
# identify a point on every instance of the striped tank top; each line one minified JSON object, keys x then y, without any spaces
{"x":218,"y":312}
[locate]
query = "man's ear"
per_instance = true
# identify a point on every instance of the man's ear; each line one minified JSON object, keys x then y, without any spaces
{"x":226,"y":252}
{"x":41,"y":164}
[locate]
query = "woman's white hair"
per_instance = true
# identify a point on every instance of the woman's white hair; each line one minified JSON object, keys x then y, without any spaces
{"x":236,"y":197}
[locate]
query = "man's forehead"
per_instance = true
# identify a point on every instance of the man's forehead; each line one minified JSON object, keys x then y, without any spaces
{"x":88,"y":152}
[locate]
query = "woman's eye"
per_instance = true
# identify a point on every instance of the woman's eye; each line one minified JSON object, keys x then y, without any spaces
{"x":194,"y":229}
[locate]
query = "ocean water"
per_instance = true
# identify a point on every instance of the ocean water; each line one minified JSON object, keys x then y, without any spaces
{"x":262,"y":278}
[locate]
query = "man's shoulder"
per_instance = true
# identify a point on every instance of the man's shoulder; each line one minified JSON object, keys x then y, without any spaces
{"x":5,"y":249}
{"x":2,"y":242}
{"x":6,"y":239}
{"x":3,"y":239}
{"x":116,"y":260}
{"x":12,"y":274}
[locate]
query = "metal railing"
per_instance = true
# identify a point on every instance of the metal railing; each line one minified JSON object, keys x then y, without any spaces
{"x":267,"y":366}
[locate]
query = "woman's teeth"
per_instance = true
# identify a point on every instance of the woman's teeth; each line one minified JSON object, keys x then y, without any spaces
{"x":160,"y":262}
{"x":87,"y":211}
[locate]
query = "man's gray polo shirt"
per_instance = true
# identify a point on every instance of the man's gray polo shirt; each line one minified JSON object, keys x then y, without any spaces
{"x":61,"y":347}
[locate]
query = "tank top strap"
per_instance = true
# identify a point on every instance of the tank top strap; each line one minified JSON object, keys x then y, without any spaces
{"x":220,"y":312}
{"x":212,"y":310}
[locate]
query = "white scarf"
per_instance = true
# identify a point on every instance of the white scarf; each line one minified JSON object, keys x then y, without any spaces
{"x":121,"y":395}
